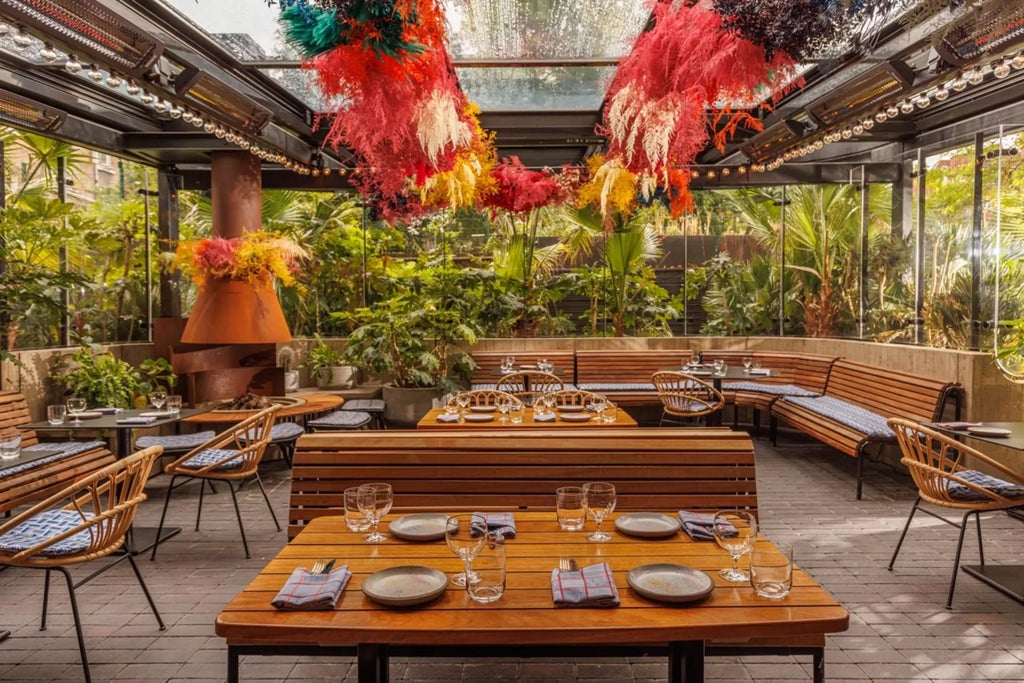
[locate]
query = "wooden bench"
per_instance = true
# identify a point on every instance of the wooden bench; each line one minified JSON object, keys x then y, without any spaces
{"x":702,"y":470}
{"x":624,"y":376}
{"x":48,"y":476}
{"x":488,"y":364}
{"x":850,"y":415}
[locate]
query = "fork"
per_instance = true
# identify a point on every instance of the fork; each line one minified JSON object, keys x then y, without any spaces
{"x":319,"y":566}
{"x":567,"y":564}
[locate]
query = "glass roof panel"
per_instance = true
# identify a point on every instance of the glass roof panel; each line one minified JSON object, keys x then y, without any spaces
{"x":246,"y":28}
{"x":302,"y":83}
{"x":533,"y":88}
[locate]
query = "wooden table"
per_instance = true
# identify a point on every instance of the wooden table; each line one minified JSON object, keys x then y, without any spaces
{"x":429,"y":421}
{"x":313,"y":403}
{"x":524,"y":620}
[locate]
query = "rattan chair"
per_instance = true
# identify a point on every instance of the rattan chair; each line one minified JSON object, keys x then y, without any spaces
{"x":86,"y":521}
{"x":684,"y":396}
{"x":232,"y":455}
{"x":574,"y":397}
{"x":936,"y":462}
{"x":483,"y":397}
{"x":527,"y":385}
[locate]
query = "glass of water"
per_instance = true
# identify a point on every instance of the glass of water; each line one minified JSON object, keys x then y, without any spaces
{"x":771,"y":570}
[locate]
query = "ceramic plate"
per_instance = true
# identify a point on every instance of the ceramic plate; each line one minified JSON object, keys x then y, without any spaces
{"x":647,"y":524}
{"x":481,"y":409}
{"x":670,"y":582}
{"x":86,"y":415}
{"x":988,"y":431}
{"x":157,"y":413}
{"x":571,"y":409}
{"x":478,"y":417}
{"x":424,"y":526}
{"x":405,"y":586}
{"x":527,"y":367}
{"x":574,"y":417}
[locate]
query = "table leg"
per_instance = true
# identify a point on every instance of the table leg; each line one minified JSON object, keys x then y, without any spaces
{"x":372,"y":662}
{"x":686,"y":662}
{"x":232,"y":665}
{"x":4,"y":635}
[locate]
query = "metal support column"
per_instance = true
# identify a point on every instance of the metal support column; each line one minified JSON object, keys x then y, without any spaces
{"x":145,"y":192}
{"x":862,"y":278}
{"x":919,"y":265}
{"x":167,"y":182}
{"x":363,"y":226}
{"x":975,"y":248}
{"x":64,"y":334}
{"x":782,"y":267}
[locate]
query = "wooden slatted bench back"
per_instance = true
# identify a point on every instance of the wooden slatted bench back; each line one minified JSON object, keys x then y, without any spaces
{"x":625,"y":365}
{"x":488,"y":362}
{"x":38,"y":483}
{"x":809,"y":371}
{"x":889,"y":393}
{"x":658,"y":469}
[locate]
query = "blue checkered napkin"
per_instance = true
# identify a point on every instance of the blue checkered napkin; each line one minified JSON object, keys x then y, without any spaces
{"x":994,"y":484}
{"x":43,"y":526}
{"x":699,"y":527}
{"x":500,"y":523}
{"x":592,"y":586}
{"x":445,"y":417}
{"x":306,"y":590}
{"x":546,"y":417}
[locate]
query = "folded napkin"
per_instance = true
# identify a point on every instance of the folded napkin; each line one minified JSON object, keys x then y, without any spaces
{"x":956,"y":425}
{"x":445,"y":417}
{"x":306,"y":590}
{"x":109,"y":411}
{"x":592,"y":586}
{"x":501,"y":523}
{"x":759,"y":371}
{"x":546,"y":417}
{"x":139,"y":420}
{"x":699,"y":527}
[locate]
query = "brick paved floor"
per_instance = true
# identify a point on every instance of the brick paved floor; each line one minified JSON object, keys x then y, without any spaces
{"x":900,"y":630}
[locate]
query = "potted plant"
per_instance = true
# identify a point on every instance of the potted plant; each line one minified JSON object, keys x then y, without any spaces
{"x":99,"y":377}
{"x":328,"y":366}
{"x":287,"y":359}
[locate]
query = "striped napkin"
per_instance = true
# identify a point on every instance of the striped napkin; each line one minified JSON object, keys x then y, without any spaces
{"x":592,"y":586}
{"x":305,"y":590}
{"x":699,"y":527}
{"x":500,"y":523}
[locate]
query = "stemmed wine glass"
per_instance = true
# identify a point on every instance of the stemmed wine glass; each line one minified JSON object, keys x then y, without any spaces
{"x":599,"y":502}
{"x":75,"y":406}
{"x":462,"y":401}
{"x":458,"y":534}
{"x":158,"y":399}
{"x":504,"y":405}
{"x":736,"y":532}
{"x":374,"y":501}
{"x":747,"y":362}
{"x":719,"y":366}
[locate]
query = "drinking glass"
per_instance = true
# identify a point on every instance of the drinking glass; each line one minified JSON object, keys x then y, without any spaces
{"x":599,"y":502}
{"x":55,"y":414}
{"x":747,"y":362}
{"x":735,"y":531}
{"x":599,"y":404}
{"x":375,"y":502}
{"x":10,"y":446}
{"x":771,"y":571}
{"x":451,"y":408}
{"x":504,"y":405}
{"x":75,"y":406}
{"x":611,"y":412}
{"x":458,"y":534}
{"x":462,"y":401}
{"x":174,"y":403}
{"x":487,"y":570}
{"x":158,"y":399}
{"x":719,"y":366}
{"x":515,"y":413}
{"x":354,"y":518}
{"x":569,"y":508}
{"x":548,"y":403}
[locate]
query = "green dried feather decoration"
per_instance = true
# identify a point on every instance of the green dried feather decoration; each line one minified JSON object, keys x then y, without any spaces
{"x":312,"y":38}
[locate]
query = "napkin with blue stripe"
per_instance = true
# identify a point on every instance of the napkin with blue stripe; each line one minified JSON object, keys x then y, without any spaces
{"x":591,"y":586}
{"x":305,"y":590}
{"x":700,"y":527}
{"x":499,"y":523}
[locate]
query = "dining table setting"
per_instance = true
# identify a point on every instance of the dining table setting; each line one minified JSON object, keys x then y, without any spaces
{"x":414,"y":583}
{"x":491,"y":416}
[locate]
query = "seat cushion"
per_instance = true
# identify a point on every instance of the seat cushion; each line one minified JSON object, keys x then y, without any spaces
{"x":66,"y":448}
{"x":483,"y":386}
{"x":43,"y":526}
{"x":341,"y":419}
{"x":852,"y":415}
{"x":370,"y":405}
{"x":601,"y":388}
{"x":994,"y":484}
{"x":773,"y":389}
{"x":176,"y":443}
{"x":210,"y":456}
{"x":279,"y":433}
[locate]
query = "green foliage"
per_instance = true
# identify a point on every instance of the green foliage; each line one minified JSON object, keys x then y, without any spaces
{"x":321,"y":358}
{"x":156,"y":374}
{"x":99,"y":377}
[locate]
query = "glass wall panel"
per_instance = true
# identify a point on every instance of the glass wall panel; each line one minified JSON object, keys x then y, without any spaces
{"x":1003,"y":282}
{"x":890,"y":270}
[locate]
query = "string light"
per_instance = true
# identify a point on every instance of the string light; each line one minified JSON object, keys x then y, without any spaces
{"x":22,"y":40}
{"x":94,"y":74}
{"x":72,"y":66}
{"x":47,"y":53}
{"x":114,"y":81}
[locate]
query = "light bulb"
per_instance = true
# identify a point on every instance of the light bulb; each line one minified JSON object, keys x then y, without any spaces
{"x":231,"y":137}
{"x":818,"y":144}
{"x":741,"y":170}
{"x":892,"y":111}
{"x":175,"y":111}
{"x":1018,"y":61}
{"x":160,"y":106}
{"x":922,"y":101}
{"x":146,"y":97}
{"x":327,"y":171}
{"x":47,"y":54}
{"x":847,"y":133}
{"x":907,"y":107}
{"x":868,"y":123}
{"x":975,"y":77}
{"x":316,"y":172}
{"x":244,"y":144}
{"x":1002,"y":69}
{"x":132,"y":89}
{"x":694,"y":174}
{"x":942,"y":94}
{"x":5,"y":28}
{"x":725,"y":172}
{"x":22,"y":39}
{"x":114,"y":81}
{"x":881,"y":117}
{"x":958,"y":83}
{"x":209,"y":126}
{"x":94,"y":74}
{"x":198,"y":122}
{"x":186,"y":116}
{"x":219,"y":132}
{"x":73,"y":66}
{"x":858,"y":129}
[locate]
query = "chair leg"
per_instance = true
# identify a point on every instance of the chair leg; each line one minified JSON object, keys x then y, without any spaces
{"x":956,"y":560}
{"x":163,"y":516}
{"x":981,"y":548}
{"x":145,"y":590}
{"x":661,"y":423}
{"x":78,"y":622}
{"x":46,"y":600}
{"x":199,"y":510}
{"x":906,"y":527}
{"x":267,"y":498}
{"x":238,"y":513}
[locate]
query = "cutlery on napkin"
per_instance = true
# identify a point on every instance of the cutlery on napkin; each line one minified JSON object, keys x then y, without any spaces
{"x":305,"y":590}
{"x":591,"y":586}
{"x":698,"y":526}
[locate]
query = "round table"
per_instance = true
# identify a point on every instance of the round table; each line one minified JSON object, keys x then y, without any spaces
{"x":313,"y":404}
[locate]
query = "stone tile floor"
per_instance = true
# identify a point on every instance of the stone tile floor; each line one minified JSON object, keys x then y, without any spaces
{"x":899,"y":631}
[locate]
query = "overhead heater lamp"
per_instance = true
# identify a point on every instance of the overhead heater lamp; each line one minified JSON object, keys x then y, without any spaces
{"x":21,"y":112}
{"x":773,"y":140}
{"x":203,"y":91}
{"x":87,"y":28}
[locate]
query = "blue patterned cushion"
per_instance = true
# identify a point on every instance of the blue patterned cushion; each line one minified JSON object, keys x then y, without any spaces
{"x":67,"y":448}
{"x":617,"y":386}
{"x":370,"y":405}
{"x":176,"y":442}
{"x":282,"y":431}
{"x":994,"y":484}
{"x":341,"y":419}
{"x":47,"y":524}
{"x":850,"y":414}
{"x":210,"y":456}
{"x":484,"y":386}
{"x":773,"y":389}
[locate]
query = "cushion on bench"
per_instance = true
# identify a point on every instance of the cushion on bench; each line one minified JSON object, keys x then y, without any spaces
{"x":483,"y":387}
{"x":852,"y":415}
{"x":67,"y":448}
{"x":43,"y":526}
{"x":602,"y":387}
{"x":764,"y":388}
